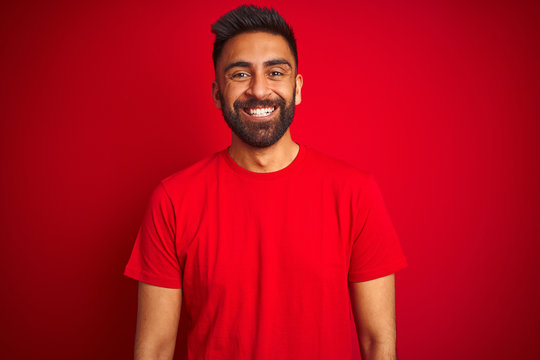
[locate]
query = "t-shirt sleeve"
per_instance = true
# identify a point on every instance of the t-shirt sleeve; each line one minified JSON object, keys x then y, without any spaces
{"x":376,"y":251}
{"x":153,"y":259}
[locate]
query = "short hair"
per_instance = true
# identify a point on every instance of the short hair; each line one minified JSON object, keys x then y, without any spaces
{"x":251,"y":18}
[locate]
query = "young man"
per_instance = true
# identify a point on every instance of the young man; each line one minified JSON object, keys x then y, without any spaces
{"x":268,"y":248}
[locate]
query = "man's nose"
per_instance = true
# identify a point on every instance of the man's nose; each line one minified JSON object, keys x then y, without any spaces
{"x":258,"y":87}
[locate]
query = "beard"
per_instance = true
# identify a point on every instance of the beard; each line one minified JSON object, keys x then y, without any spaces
{"x":259,"y":134}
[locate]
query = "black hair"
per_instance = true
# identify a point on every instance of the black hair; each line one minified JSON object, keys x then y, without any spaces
{"x":251,"y":18}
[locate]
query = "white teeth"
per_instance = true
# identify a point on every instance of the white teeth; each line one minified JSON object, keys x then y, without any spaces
{"x":260,"y":112}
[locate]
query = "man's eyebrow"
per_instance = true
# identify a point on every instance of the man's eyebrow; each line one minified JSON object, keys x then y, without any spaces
{"x":237,"y":64}
{"x":277,"y":62}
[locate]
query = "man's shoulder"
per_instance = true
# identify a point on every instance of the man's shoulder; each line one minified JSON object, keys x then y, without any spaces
{"x":200,"y":172}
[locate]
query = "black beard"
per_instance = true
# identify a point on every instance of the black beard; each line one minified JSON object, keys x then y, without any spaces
{"x":259,"y":134}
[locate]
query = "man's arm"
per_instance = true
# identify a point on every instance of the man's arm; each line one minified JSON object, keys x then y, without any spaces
{"x":373,"y":306}
{"x":157,"y":322}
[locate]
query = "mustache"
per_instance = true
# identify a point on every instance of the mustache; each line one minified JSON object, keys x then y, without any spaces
{"x":258,"y":103}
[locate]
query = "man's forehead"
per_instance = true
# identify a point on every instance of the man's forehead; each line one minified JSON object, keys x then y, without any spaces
{"x":256,"y":48}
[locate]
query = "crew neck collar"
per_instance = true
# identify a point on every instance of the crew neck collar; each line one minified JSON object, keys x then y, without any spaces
{"x":264,"y":176}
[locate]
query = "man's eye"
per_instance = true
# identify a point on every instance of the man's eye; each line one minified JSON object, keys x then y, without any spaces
{"x":276,"y":73}
{"x":240,"y":75}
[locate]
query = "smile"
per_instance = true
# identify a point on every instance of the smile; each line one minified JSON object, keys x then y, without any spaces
{"x":259,"y":112}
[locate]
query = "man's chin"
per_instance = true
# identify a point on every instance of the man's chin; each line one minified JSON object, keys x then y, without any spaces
{"x":259,"y":132}
{"x":255,"y":126}
{"x":259,"y":139}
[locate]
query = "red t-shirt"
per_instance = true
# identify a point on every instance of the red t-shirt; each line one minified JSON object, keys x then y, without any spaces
{"x":264,"y":259}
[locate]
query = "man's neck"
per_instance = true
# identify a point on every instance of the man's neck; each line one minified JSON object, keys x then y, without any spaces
{"x":263,"y":160}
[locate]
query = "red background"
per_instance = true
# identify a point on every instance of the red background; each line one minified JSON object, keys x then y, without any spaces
{"x":100,"y":100}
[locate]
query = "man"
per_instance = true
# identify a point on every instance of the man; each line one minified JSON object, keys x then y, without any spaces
{"x":268,"y":248}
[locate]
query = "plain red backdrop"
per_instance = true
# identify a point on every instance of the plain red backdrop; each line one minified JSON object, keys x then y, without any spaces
{"x":439,"y":99}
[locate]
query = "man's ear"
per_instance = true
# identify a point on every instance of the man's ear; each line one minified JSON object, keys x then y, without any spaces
{"x":298,"y":95}
{"x":215,"y":94}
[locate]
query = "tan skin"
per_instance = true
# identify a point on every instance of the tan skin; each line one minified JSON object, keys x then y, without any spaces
{"x":373,"y":305}
{"x":256,"y":75}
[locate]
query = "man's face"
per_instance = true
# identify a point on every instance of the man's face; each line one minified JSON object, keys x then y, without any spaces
{"x":257,"y":87}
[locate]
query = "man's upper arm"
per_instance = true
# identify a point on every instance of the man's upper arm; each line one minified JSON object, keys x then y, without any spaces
{"x":373,"y":305}
{"x":157,"y":321}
